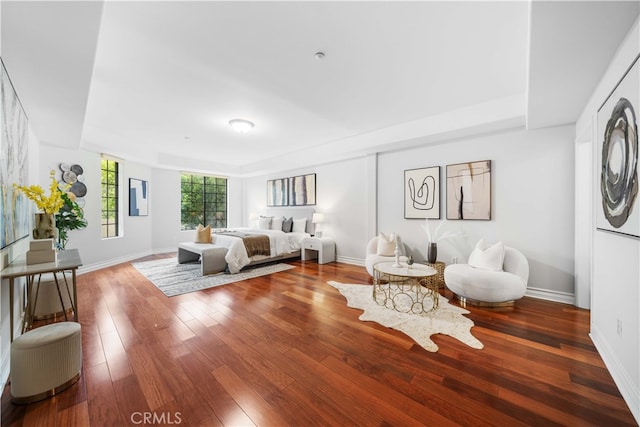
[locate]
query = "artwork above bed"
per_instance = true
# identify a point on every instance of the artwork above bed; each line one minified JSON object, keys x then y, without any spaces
{"x":294,"y":191}
{"x":278,"y":192}
{"x":302,"y":190}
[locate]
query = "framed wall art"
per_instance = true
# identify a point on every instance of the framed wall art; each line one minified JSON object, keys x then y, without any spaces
{"x":302,"y":190}
{"x":277,"y":192}
{"x":469,"y":190}
{"x":422,"y":193}
{"x":15,"y":208}
{"x":138,"y":197}
{"x":617,"y":157}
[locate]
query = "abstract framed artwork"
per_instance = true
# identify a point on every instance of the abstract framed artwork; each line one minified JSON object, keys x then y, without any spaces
{"x":617,"y":151}
{"x":277,"y":192}
{"x":15,"y":208}
{"x":469,"y":190}
{"x":422,"y":193}
{"x":302,"y":190}
{"x":138,"y":197}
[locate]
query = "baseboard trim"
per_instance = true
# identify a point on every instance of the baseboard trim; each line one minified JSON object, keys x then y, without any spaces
{"x":555,"y":296}
{"x":629,"y":392}
{"x":173,"y":249}
{"x":111,"y":262}
{"x":349,"y":260}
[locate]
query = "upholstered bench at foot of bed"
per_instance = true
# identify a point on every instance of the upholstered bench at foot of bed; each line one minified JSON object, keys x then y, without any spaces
{"x":211,"y":256}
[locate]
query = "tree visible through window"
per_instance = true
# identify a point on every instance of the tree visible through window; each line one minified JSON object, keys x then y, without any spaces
{"x":204,"y":201}
{"x":110,"y":214}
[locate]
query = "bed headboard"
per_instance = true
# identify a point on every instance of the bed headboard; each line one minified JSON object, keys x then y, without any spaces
{"x":295,"y":213}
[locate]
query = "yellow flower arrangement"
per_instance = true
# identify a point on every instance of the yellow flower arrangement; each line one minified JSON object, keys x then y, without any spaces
{"x":35,"y":193}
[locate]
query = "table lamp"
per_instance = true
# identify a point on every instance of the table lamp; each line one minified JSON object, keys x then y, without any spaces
{"x":317,"y":219}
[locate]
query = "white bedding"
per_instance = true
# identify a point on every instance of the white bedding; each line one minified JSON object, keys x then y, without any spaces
{"x":281,"y":243}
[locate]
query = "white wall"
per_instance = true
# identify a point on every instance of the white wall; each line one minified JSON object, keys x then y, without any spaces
{"x":165,"y":211}
{"x":532,"y":204}
{"x":614,"y":258}
{"x":341,"y":189}
{"x":531,"y":207}
{"x":135,"y":239}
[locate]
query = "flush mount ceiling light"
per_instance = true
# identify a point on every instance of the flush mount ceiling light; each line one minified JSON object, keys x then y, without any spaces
{"x":241,"y":125}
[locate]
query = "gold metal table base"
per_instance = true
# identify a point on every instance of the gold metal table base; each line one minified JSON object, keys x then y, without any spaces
{"x":405,"y":294}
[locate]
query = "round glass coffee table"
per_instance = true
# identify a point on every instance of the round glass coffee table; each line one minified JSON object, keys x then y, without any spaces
{"x":405,"y":288}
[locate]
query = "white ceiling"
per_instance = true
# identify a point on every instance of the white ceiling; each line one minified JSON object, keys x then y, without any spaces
{"x":157,"y":82}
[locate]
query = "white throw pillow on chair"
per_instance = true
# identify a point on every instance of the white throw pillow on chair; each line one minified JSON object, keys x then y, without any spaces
{"x":487,"y":258}
{"x":386,"y":244}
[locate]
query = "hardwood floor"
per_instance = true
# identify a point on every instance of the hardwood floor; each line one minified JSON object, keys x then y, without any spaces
{"x":285,"y":350}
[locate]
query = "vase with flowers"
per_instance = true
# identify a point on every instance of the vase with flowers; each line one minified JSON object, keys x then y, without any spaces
{"x":60,"y":213}
{"x":69,"y":217}
{"x":434,"y":237}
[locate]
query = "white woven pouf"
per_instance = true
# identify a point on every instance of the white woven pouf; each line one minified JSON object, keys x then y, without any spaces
{"x":45,"y":361}
{"x":45,"y":299}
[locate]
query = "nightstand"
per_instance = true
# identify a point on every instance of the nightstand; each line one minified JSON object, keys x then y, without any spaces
{"x":324,"y":246}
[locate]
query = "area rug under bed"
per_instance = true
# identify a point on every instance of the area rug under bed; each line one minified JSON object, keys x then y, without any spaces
{"x":177,"y":279}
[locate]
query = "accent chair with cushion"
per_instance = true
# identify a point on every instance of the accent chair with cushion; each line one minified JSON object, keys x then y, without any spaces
{"x":495,"y":276}
{"x":382,"y":248}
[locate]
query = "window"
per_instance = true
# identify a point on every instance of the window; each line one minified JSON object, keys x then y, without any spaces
{"x":110,"y":202}
{"x":204,"y":201}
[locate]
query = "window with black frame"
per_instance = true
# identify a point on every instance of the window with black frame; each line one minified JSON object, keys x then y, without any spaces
{"x":203,"y":201}
{"x":110,"y":215}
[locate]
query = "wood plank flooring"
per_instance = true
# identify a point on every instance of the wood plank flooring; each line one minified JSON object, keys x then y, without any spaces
{"x":285,"y":350}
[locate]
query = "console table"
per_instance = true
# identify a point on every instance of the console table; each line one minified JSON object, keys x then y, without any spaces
{"x":67,"y":260}
{"x":404,"y":288}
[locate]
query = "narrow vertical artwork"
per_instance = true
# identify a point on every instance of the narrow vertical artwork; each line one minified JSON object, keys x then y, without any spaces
{"x":14,"y":143}
{"x":277,"y":192}
{"x":422,"y":193}
{"x":302,"y":190}
{"x":617,"y":194}
{"x":138,"y":197}
{"x":469,"y":190}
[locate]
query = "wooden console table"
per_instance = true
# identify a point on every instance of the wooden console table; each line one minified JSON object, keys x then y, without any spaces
{"x":68,"y":260}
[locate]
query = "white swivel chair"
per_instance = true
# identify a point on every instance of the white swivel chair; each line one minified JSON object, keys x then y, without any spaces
{"x":489,"y":288}
{"x":373,"y":256}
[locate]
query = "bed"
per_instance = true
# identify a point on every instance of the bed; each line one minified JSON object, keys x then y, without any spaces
{"x":282,"y":245}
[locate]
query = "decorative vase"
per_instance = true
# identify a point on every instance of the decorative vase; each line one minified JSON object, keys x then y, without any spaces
{"x":432,"y":252}
{"x":45,"y":226}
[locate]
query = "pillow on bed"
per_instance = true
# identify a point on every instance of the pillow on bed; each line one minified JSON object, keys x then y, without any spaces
{"x":203,"y":234}
{"x":287,"y":225}
{"x":276,"y":223}
{"x":264,"y":222}
{"x":299,"y":225}
{"x":386,"y":244}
